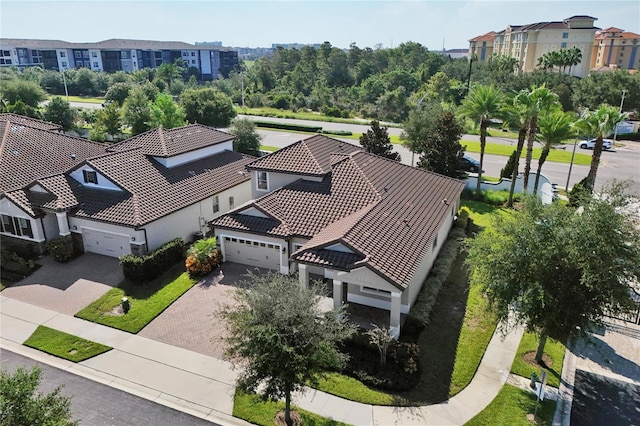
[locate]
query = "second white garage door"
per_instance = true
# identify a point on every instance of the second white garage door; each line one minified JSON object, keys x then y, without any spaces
{"x":252,"y":253}
{"x":106,"y":243}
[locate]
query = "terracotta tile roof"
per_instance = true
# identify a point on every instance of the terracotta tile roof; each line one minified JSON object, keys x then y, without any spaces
{"x":387,"y":213}
{"x":484,"y":37}
{"x":150,"y":191}
{"x":28,"y":153}
{"x":310,"y":156}
{"x":28,"y":121}
{"x":162,"y":142}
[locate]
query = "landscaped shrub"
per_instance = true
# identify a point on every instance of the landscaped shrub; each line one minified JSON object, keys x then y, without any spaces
{"x":14,"y":266}
{"x":61,"y":248}
{"x":507,"y":171}
{"x":337,"y":132}
{"x":202,"y":257}
{"x":463,"y":218}
{"x":418,"y":317}
{"x":399,"y":373}
{"x":579,"y":194}
{"x":142,"y":269}
{"x":495,"y":198}
{"x":287,"y":126}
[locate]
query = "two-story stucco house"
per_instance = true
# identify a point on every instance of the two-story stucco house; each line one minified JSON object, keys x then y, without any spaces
{"x":372,"y":225}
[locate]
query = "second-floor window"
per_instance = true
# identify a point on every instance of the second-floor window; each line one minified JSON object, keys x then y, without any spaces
{"x":216,"y":204}
{"x":90,"y":176}
{"x":263,"y":182}
{"x":565,"y":35}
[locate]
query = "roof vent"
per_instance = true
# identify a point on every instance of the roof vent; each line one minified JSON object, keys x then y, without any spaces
{"x":192,"y":173}
{"x":73,"y":156}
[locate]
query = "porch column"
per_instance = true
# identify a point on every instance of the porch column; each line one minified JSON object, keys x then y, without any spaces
{"x":394,"y":316}
{"x":63,"y":225}
{"x":337,"y":294}
{"x":304,"y":275}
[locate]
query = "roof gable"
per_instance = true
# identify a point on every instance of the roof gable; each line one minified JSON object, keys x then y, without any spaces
{"x":161,"y":142}
{"x":29,"y":153}
{"x":311,"y":156}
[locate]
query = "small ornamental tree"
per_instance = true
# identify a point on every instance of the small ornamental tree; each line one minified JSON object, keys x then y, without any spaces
{"x":281,"y":338}
{"x":59,"y":112}
{"x":22,"y":405}
{"x":441,"y":150}
{"x":247,"y":140}
{"x":376,"y":141}
{"x":559,"y":270}
{"x":381,"y":338}
{"x":507,"y":171}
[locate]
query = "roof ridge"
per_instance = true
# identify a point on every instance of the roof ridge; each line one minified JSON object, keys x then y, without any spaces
{"x":163,"y":142}
{"x":3,"y":141}
{"x":313,"y":157}
{"x":137,"y":211}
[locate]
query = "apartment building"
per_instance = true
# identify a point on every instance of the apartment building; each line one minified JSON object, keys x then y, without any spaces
{"x":117,"y":55}
{"x":615,"y":48}
{"x":528,"y":42}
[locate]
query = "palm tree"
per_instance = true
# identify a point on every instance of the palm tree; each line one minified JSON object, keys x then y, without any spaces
{"x":517,"y":114}
{"x":169,"y":72}
{"x":482,"y":104}
{"x":554,"y":126}
{"x":541,"y":99}
{"x":574,"y":57}
{"x":599,"y":123}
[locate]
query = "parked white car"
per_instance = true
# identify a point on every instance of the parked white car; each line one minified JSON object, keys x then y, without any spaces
{"x":591,"y":143}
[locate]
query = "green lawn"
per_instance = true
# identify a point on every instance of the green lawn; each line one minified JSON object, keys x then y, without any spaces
{"x":482,"y":213}
{"x":477,"y":329}
{"x":554,"y":349}
{"x":254,"y":409}
{"x":269,"y":148}
{"x":85,"y":99}
{"x":63,"y":345}
{"x":555,"y":155}
{"x":353,"y":389}
{"x":147,"y":301}
{"x":510,"y":408}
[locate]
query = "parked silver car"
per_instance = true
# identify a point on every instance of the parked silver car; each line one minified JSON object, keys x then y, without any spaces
{"x":591,"y":143}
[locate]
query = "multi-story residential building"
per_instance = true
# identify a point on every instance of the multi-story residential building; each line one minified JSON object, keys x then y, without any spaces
{"x":615,"y":48}
{"x":481,"y":47}
{"x":529,"y":42}
{"x":117,"y":55}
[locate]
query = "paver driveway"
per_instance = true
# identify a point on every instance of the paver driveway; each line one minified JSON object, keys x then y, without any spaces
{"x":68,"y":287}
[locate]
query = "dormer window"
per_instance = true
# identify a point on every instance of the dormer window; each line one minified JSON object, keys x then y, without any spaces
{"x":90,"y":176}
{"x":263,"y":182}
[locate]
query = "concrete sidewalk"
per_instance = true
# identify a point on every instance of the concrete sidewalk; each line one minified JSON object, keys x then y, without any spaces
{"x":204,"y":386}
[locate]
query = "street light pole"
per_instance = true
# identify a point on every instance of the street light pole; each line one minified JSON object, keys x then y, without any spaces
{"x":615,"y":132}
{"x":573,"y":154}
{"x":64,"y":80}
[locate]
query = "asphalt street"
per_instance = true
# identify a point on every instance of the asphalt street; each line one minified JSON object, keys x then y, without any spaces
{"x":96,"y":404}
{"x":599,"y":400}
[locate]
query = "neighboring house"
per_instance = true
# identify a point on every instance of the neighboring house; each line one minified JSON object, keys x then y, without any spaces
{"x":372,"y":225}
{"x":529,"y":42}
{"x":616,"y":48}
{"x":117,"y":55}
{"x":130,"y":197}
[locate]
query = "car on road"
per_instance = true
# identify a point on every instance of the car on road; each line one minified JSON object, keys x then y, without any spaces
{"x":468,"y":164}
{"x":591,"y":143}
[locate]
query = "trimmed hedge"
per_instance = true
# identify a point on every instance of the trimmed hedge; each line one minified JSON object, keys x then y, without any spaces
{"x":287,"y":126}
{"x":337,"y":132}
{"x":418,"y":317}
{"x":628,"y":136}
{"x":142,"y":269}
{"x":61,"y":248}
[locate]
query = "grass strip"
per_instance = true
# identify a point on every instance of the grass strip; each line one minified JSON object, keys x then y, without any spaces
{"x":83,"y":99}
{"x":553,"y":349}
{"x":511,"y":407}
{"x":478,"y":327}
{"x":352,"y":389}
{"x":254,"y":409}
{"x":64,"y":345}
{"x":555,"y":155}
{"x":147,"y":301}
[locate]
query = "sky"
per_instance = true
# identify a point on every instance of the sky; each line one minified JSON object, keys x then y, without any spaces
{"x":239,"y":23}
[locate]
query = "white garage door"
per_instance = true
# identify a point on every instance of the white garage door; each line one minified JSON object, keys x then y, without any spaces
{"x":252,"y":253}
{"x":106,"y":243}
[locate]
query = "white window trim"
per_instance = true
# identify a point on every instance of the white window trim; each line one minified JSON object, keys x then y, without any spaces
{"x":266,"y":181}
